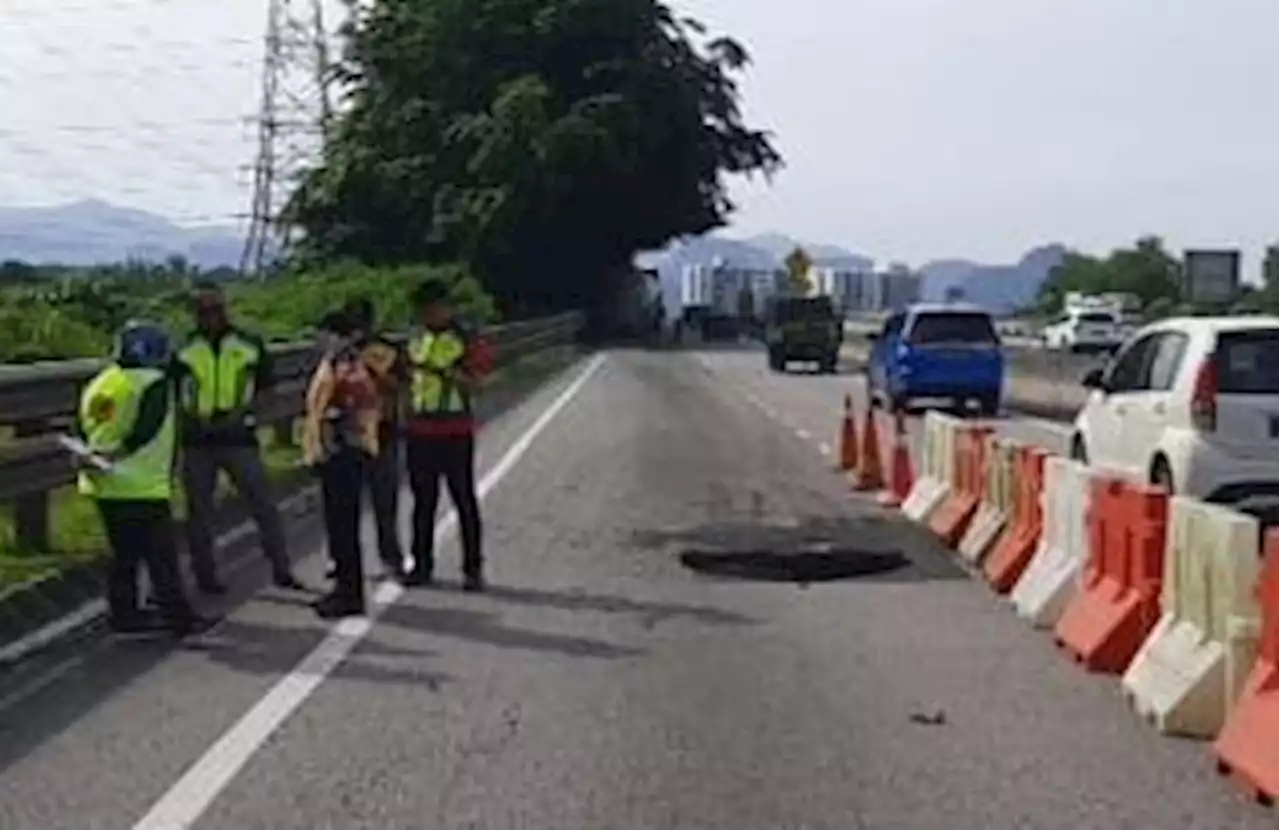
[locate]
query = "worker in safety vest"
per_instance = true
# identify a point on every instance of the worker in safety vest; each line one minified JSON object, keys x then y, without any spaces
{"x":126,"y":420}
{"x":446,"y":363}
{"x":220,"y":372}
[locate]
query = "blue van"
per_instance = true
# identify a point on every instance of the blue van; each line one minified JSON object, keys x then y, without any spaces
{"x":937,"y":351}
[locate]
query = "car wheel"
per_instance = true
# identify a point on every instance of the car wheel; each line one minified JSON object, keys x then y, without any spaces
{"x":830,"y":364}
{"x":1078,"y":451}
{"x":1162,"y":476}
{"x":989,"y":406}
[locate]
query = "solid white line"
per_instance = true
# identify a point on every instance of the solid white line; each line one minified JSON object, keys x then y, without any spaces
{"x":187,"y":800}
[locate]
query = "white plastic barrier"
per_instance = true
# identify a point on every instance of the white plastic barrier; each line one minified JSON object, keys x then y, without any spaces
{"x":936,"y":467}
{"x":1053,"y":575}
{"x":1193,"y":665}
{"x":997,"y":502}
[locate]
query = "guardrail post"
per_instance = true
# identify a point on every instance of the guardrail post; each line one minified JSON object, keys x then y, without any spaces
{"x":31,"y":512}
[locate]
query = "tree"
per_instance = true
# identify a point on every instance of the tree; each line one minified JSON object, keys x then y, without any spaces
{"x":798,"y":263}
{"x":1146,"y":270}
{"x":541,"y":142}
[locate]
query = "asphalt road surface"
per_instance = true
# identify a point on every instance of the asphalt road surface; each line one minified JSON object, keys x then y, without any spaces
{"x":660,"y":651}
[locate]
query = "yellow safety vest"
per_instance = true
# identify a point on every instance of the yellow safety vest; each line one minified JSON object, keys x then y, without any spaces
{"x":432,"y":357}
{"x":108,"y":410}
{"x":218,"y":381}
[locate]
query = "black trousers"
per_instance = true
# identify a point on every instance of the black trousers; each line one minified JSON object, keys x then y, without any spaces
{"x":453,"y":459}
{"x":341,"y":486}
{"x":382,"y":475}
{"x":142,"y":532}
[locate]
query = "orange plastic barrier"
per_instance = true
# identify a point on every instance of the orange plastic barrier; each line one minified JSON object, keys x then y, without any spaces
{"x":968,"y":480}
{"x":1119,"y":603}
{"x":1246,"y":746}
{"x":1016,"y":546}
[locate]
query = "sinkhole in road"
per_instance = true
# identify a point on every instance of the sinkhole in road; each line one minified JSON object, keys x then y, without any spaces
{"x":825,"y":564}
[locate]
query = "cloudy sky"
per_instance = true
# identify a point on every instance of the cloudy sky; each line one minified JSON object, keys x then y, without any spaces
{"x":913,"y":129}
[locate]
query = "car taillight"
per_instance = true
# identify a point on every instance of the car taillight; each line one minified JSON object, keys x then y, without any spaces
{"x":1204,"y":396}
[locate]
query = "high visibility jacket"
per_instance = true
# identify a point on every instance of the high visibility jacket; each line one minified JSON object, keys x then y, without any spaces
{"x":219,"y":378}
{"x":435,"y":361}
{"x":108,"y":420}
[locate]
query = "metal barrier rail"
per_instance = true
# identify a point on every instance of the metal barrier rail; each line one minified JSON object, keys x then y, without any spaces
{"x":39,"y":400}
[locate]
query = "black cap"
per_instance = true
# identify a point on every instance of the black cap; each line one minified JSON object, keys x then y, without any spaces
{"x":430,"y":292}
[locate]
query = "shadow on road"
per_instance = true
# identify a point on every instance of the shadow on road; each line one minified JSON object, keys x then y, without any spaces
{"x":818,"y":549}
{"x":483,"y":627}
{"x":650,"y":613}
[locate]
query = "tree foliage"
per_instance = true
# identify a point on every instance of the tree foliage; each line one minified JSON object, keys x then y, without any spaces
{"x":541,"y":142}
{"x":1146,"y":270}
{"x":50,"y":313}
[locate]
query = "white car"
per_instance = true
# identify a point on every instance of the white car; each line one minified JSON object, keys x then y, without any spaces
{"x":1082,"y":330}
{"x":1190,"y":404}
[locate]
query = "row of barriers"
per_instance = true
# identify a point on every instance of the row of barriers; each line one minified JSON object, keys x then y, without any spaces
{"x":1176,"y":597}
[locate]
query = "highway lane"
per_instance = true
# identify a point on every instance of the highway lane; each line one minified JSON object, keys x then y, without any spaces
{"x":611,"y":680}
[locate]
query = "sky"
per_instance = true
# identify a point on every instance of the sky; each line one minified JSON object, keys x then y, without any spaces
{"x":912,"y":129}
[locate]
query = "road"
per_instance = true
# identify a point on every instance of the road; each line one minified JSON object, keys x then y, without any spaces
{"x":638,"y":665}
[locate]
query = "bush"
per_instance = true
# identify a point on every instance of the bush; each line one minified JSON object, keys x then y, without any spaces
{"x":77,"y":316}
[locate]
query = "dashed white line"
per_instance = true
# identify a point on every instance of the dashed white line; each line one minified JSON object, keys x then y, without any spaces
{"x":803,"y":434}
{"x":825,"y":449}
{"x":189,"y":798}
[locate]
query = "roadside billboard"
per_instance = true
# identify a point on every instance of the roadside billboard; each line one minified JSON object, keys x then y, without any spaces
{"x":1211,"y":276}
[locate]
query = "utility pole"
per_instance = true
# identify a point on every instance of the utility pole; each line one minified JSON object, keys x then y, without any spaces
{"x":294,"y":113}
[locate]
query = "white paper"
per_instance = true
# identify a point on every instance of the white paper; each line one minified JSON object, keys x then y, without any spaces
{"x":81,"y":450}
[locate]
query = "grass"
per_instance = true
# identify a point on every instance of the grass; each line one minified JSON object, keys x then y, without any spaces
{"x":76,"y":535}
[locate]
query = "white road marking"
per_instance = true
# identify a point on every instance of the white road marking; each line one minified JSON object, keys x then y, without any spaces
{"x":825,"y":449}
{"x":189,"y":798}
{"x":803,"y":434}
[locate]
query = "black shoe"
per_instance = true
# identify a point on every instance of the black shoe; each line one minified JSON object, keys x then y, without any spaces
{"x":189,"y":624}
{"x":336,"y":606}
{"x":473,"y":583}
{"x":139,"y":623}
{"x":416,"y":579}
{"x":284,"y":579}
{"x":211,"y":587}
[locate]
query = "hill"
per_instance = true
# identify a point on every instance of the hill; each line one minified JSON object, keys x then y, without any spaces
{"x":999,"y":288}
{"x":93,"y":232}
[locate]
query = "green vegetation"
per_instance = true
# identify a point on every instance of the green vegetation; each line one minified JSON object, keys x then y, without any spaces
{"x":57,"y":313}
{"x":542,"y":142}
{"x":1155,"y":277}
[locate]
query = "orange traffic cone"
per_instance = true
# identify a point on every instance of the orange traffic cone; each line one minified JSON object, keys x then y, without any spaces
{"x":870,"y":472}
{"x":900,"y":475}
{"x":848,"y":439}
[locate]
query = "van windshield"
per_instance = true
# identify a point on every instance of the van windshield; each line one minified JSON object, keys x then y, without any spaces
{"x":1247,"y":362}
{"x":1096,"y":317}
{"x":952,"y":327}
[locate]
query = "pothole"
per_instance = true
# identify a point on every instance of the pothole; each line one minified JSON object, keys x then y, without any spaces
{"x":824,"y":564}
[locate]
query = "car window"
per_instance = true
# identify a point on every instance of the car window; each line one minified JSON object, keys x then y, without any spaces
{"x":1166,"y":360}
{"x":1129,"y":372}
{"x":1247,"y":361}
{"x":893,"y":325}
{"x":1096,"y":317}
{"x":952,"y":327}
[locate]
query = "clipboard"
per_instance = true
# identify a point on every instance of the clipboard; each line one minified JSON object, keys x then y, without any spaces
{"x":81,"y":451}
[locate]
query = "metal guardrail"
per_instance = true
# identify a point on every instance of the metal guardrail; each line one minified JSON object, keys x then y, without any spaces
{"x":38,"y":402}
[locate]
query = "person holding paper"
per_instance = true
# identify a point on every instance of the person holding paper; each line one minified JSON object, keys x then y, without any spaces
{"x":126,"y":422}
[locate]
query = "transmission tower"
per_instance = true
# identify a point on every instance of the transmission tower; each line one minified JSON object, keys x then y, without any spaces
{"x":293,"y":117}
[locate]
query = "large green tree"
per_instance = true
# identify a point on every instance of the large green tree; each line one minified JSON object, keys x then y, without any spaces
{"x":1146,"y":270}
{"x":541,"y":142}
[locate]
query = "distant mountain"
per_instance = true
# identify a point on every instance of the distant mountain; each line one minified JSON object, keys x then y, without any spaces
{"x":998,"y":288}
{"x":92,"y":232}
